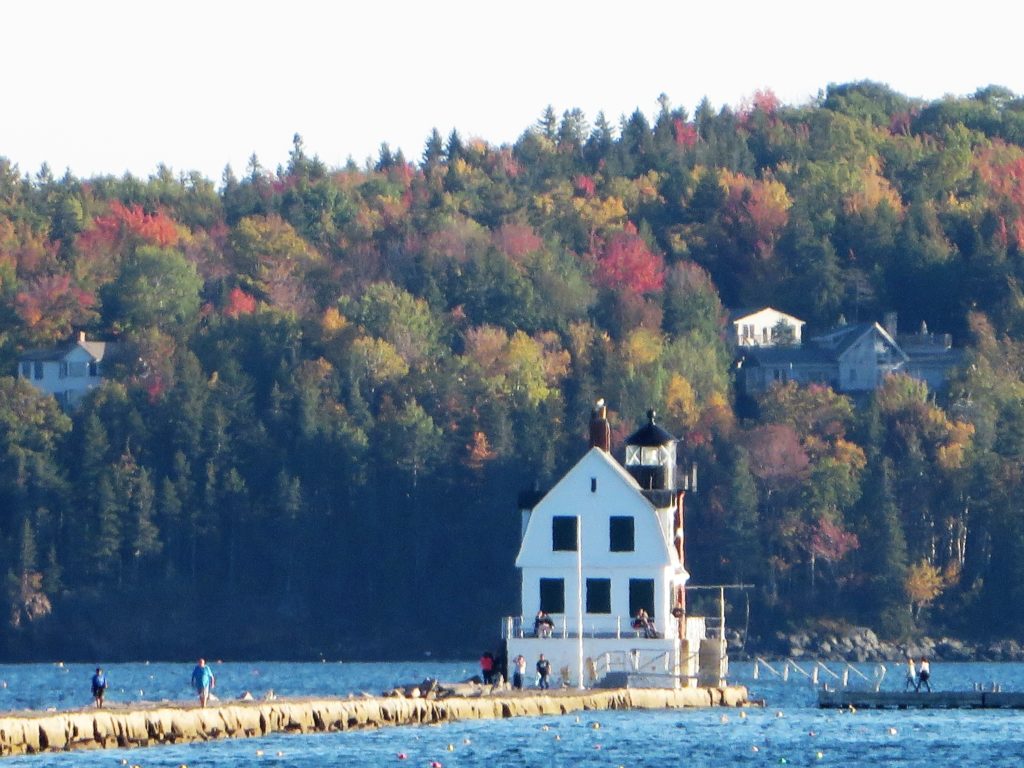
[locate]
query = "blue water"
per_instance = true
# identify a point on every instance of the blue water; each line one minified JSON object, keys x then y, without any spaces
{"x":790,"y":730}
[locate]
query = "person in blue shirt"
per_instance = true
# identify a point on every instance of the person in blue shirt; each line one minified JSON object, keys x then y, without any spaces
{"x":99,"y":687}
{"x":203,"y":680}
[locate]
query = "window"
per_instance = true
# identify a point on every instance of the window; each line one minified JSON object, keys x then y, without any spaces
{"x":641,"y":595}
{"x":599,"y":595}
{"x":63,"y":370}
{"x":38,"y":369}
{"x":552,"y":595}
{"x":620,"y":534}
{"x":26,"y":370}
{"x":94,"y":369}
{"x":563,"y":534}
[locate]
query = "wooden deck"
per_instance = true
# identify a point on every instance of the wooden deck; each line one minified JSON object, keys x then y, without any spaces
{"x":845,"y":699}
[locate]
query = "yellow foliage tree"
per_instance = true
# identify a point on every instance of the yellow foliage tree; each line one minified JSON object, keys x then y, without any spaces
{"x":923,"y":584}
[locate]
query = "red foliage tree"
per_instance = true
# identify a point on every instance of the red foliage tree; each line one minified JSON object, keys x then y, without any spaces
{"x":122,"y":222}
{"x":517,"y":241}
{"x":51,"y":306}
{"x":239,"y":303}
{"x":625,"y":263}
{"x":585,"y":185}
{"x":685,"y":133}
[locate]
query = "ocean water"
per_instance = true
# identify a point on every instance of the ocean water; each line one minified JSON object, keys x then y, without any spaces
{"x":789,"y":730}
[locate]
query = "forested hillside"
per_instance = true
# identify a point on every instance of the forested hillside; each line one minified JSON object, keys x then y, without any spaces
{"x":333,"y":382}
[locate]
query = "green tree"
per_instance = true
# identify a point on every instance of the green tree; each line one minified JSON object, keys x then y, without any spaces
{"x":156,"y":288}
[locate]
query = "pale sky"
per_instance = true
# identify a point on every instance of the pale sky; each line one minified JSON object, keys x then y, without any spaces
{"x":108,"y":86}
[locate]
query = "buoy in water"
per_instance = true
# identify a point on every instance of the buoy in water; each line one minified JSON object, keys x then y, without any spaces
{"x":819,"y":755}
{"x":743,"y":715}
{"x":595,"y":726}
{"x":778,"y":713}
{"x":723,"y":719}
{"x":451,"y":747}
{"x":401,"y":756}
{"x":893,"y":731}
{"x":755,"y":748}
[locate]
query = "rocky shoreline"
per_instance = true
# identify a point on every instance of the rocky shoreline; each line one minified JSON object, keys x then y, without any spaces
{"x":861,"y":644}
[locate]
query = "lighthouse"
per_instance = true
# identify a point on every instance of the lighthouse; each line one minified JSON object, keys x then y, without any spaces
{"x":603,"y":546}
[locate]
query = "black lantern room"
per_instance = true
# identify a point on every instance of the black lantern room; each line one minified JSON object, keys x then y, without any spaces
{"x":651,"y":456}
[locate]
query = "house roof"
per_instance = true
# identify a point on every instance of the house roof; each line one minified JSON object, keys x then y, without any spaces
{"x":593,"y":461}
{"x":807,"y":354}
{"x":95,"y":349}
{"x":840,"y":339}
{"x":738,"y":315}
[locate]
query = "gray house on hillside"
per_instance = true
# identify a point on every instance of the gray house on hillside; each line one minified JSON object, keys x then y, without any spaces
{"x":849,"y":358}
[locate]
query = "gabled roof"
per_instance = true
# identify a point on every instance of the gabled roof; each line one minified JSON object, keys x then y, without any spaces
{"x":593,"y":461}
{"x":840,"y":339}
{"x":737,"y":316}
{"x":95,"y":349}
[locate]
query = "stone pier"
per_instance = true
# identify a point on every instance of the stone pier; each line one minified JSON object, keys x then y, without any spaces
{"x":152,"y":724}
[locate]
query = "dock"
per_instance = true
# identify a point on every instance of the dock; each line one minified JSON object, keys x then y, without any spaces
{"x":154,"y":724}
{"x":847,"y":698}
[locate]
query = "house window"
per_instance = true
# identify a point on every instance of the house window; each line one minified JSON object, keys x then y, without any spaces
{"x":63,"y":370}
{"x":641,"y":595}
{"x":94,"y":369}
{"x":764,"y":335}
{"x":620,"y":534}
{"x":38,"y":370}
{"x":552,"y":595}
{"x":599,"y":595}
{"x":563,"y":533}
{"x":26,"y":370}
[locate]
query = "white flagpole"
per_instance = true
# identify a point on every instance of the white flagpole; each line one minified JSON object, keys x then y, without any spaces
{"x":579,"y":599}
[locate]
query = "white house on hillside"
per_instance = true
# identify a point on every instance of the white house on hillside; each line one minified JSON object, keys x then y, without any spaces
{"x":605,"y":542}
{"x":68,"y":371}
{"x":761,"y":328}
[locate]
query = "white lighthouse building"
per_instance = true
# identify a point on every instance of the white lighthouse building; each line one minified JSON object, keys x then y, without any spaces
{"x":602,"y":545}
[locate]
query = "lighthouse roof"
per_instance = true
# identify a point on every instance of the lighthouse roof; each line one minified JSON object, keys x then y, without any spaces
{"x":650,"y":434}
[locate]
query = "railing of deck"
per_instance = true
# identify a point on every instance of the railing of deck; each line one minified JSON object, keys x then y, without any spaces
{"x":612,"y":627}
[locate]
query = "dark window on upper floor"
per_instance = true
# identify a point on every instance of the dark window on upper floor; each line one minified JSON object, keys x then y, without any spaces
{"x":563,"y":533}
{"x":620,"y":534}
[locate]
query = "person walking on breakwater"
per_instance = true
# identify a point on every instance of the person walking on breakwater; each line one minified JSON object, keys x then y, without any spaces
{"x":519,"y":672}
{"x":203,"y":681}
{"x":911,"y":675}
{"x":543,"y":672}
{"x":99,"y":687}
{"x":924,"y":674}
